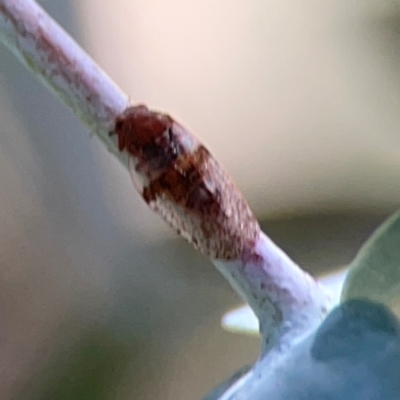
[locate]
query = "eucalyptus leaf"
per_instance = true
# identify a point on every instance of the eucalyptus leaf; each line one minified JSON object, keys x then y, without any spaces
{"x":375,"y":272}
{"x":354,"y":354}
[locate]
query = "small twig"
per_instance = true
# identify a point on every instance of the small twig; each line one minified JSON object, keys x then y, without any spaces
{"x":56,"y":59}
{"x":175,"y":174}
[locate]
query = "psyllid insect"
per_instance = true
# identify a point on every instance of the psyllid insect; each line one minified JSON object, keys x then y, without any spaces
{"x":180,"y":180}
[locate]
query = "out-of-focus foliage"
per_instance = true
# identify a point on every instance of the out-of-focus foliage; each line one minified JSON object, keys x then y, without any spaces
{"x":375,"y":272}
{"x":90,"y":370}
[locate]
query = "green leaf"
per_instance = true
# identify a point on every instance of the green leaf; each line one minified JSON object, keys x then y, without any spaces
{"x":375,"y":272}
{"x":90,"y":369}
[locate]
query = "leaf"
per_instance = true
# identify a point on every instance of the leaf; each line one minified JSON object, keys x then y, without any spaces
{"x":375,"y":272}
{"x":90,"y":369}
{"x":354,"y":354}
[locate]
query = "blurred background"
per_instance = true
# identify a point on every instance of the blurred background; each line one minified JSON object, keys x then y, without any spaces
{"x":298,"y":100}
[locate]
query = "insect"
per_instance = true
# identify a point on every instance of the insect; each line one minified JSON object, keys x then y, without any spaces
{"x":180,"y":180}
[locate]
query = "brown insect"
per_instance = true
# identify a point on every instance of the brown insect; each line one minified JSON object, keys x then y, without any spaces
{"x":179,"y":179}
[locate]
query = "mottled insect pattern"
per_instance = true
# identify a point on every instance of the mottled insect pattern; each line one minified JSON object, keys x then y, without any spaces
{"x":180,"y":180}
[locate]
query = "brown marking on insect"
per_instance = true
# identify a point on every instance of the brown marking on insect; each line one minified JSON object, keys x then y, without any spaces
{"x":180,"y":180}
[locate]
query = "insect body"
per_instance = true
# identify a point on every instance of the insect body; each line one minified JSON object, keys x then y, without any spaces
{"x":179,"y":179}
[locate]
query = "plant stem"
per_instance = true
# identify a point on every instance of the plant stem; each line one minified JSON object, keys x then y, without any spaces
{"x":56,"y":59}
{"x":287,"y":301}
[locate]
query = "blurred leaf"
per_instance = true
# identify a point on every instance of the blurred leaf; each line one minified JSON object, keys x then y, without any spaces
{"x":91,"y":370}
{"x":375,"y":272}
